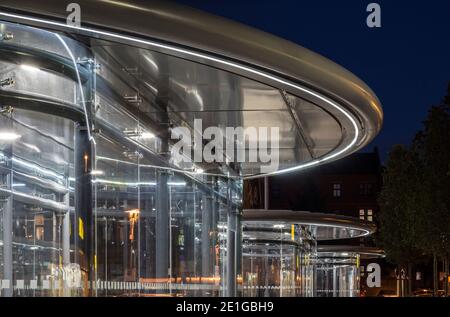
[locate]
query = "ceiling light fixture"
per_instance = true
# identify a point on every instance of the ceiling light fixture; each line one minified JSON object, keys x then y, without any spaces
{"x":147,"y":135}
{"x":9,"y":136}
{"x":29,"y":67}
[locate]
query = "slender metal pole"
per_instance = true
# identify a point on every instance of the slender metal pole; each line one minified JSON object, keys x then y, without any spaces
{"x":162,"y":225}
{"x":207,"y":208}
{"x":435,"y":275}
{"x":170,"y":242}
{"x":66,"y":233}
{"x":106,"y":255}
{"x":83,"y":201}
{"x":231,"y":246}
{"x":266,"y":275}
{"x":7,"y":240}
{"x":266,"y":193}
{"x":138,"y":258}
{"x":281,"y":263}
{"x":446,"y":275}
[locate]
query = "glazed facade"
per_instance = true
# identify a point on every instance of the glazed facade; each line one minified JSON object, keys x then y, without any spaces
{"x":93,"y":200}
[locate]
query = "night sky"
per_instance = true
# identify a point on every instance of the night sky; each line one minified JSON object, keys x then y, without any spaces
{"x":406,"y":61}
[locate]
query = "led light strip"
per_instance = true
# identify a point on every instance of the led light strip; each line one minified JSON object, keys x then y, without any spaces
{"x":52,"y":203}
{"x":134,"y":184}
{"x":38,"y":168}
{"x":83,"y":101}
{"x":364,"y":232}
{"x":220,"y":61}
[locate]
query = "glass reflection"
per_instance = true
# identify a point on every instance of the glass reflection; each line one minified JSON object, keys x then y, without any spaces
{"x":109,"y":215}
{"x":337,"y":274}
{"x":277,"y":260}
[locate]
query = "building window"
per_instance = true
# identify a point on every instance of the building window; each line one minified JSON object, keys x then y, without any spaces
{"x":366,"y":189}
{"x":366,"y":214}
{"x":337,"y":190}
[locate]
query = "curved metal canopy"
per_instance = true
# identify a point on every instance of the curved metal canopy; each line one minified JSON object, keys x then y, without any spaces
{"x":323,"y":226}
{"x":227,"y":74}
{"x":345,"y":250}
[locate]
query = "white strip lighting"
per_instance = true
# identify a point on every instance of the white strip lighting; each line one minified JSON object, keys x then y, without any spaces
{"x":37,"y":168}
{"x":54,"y":204}
{"x":365,"y":232}
{"x":69,"y":51}
{"x":107,"y":181}
{"x":176,"y":183}
{"x":220,"y":61}
{"x":9,"y":136}
{"x":53,"y":184}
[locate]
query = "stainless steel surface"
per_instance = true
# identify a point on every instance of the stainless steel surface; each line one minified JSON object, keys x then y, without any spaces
{"x":322,"y":226}
{"x":328,"y":101}
{"x":342,"y":250}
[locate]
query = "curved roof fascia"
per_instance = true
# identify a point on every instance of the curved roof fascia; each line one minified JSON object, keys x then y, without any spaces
{"x":318,"y":221}
{"x":363,"y":251}
{"x":204,"y":38}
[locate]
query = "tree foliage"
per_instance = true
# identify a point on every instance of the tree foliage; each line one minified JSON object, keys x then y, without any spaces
{"x":432,"y":145}
{"x":415,"y":198}
{"x":398,"y":219}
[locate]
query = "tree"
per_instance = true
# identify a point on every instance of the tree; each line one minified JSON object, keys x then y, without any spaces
{"x":398,"y":226}
{"x":432,"y":145}
{"x":415,"y":198}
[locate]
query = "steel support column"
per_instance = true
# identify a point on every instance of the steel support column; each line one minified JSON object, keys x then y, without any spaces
{"x":162,"y":225}
{"x":266,"y":193}
{"x":84,"y":233}
{"x":7,"y":221}
{"x":231,"y":245}
{"x":207,"y":249}
{"x":66,"y":239}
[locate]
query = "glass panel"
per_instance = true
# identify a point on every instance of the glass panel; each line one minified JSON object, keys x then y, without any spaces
{"x":88,"y":188}
{"x":337,"y":275}
{"x":277,"y":260}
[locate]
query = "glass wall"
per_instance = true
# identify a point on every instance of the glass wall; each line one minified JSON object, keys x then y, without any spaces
{"x":92,"y":201}
{"x":34,"y":199}
{"x":337,"y":274}
{"x":277,"y":260}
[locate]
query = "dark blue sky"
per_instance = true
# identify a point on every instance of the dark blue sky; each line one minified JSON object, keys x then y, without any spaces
{"x":406,"y":62}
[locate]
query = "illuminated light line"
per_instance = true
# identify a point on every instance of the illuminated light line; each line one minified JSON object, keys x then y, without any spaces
{"x":107,"y":181}
{"x":220,"y":61}
{"x":69,"y":51}
{"x":37,"y":168}
{"x":365,"y":232}
{"x":172,"y":169}
{"x":53,"y":184}
{"x":197,"y":171}
{"x":54,"y":204}
{"x":176,"y":183}
{"x":9,"y":136}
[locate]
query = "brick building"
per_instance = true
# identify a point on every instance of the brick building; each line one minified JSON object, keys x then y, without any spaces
{"x":347,"y":187}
